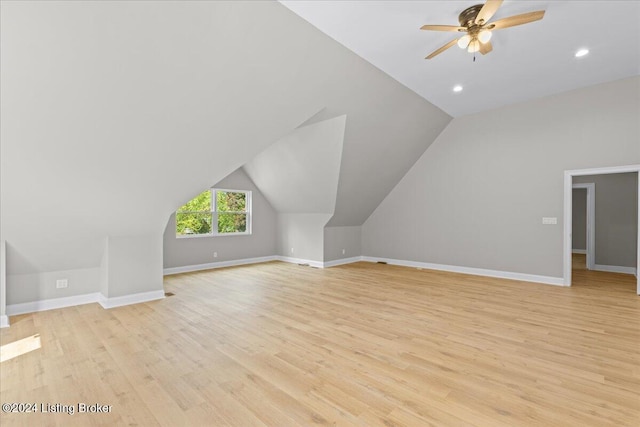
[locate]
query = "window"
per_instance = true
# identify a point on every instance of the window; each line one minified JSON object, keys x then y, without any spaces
{"x":215,"y":212}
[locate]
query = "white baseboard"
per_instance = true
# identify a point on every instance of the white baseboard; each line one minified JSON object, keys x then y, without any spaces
{"x":245,"y":261}
{"x":319,"y":264}
{"x":548,"y":280}
{"x":54,"y":303}
{"x":316,"y":264}
{"x":557,"y":281}
{"x":51,"y":304}
{"x":615,"y":269}
{"x":130,"y":299}
{"x":342,"y":261}
{"x":220,"y":264}
{"x":579,"y":251}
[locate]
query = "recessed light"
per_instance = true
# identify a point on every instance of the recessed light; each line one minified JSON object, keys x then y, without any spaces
{"x":582,"y":52}
{"x":457,"y":88}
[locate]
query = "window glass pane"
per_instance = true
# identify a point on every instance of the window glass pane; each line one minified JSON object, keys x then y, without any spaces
{"x":193,"y":223}
{"x":232,"y":223}
{"x":229,"y":201}
{"x":200,"y":203}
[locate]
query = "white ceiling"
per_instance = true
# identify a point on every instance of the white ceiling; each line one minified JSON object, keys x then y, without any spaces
{"x":529,"y":61}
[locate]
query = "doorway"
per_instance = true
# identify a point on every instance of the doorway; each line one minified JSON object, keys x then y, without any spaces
{"x":583,"y":223}
{"x":568,"y":218}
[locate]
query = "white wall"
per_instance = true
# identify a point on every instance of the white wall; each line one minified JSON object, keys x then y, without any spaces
{"x":477,"y":196}
{"x":4,"y":320}
{"x":104,"y":269}
{"x":130,"y":265}
{"x":42,"y":286}
{"x":182,"y":252}
{"x":339,"y":239}
{"x":134,"y":265}
{"x":299,"y":175}
{"x":273,"y":234}
{"x":304,"y":233}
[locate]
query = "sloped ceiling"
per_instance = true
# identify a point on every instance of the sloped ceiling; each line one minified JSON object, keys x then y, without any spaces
{"x":299,"y":173}
{"x":527,"y":62}
{"x":387,"y":132}
{"x":387,"y":128}
{"x":113,"y":114}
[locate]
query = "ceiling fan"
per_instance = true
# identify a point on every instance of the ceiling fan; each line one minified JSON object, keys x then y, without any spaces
{"x":474,"y":21}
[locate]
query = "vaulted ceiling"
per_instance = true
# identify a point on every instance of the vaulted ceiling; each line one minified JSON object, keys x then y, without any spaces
{"x":529,"y":61}
{"x":300,"y":172}
{"x":115,"y":113}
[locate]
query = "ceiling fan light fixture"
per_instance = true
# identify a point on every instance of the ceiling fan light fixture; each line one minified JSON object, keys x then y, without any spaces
{"x":464,"y":41}
{"x":476,"y":22}
{"x":484,"y":36}
{"x":474,"y":46}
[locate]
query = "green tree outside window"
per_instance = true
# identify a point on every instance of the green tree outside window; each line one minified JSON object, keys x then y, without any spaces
{"x":230,"y":211}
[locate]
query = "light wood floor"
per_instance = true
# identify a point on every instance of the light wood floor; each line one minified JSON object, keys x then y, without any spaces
{"x":364,"y":344}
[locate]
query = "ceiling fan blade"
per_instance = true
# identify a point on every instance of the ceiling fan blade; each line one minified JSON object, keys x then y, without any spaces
{"x":442,"y":28}
{"x":442,"y":49}
{"x":485,"y":48}
{"x":512,"y":21}
{"x":487,"y":11}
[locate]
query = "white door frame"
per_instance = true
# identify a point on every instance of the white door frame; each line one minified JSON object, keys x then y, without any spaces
{"x":591,"y":222}
{"x":568,"y":190}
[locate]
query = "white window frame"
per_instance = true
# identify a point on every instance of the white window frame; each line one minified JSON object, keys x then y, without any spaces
{"x":248,"y":210}
{"x":214,"y":215}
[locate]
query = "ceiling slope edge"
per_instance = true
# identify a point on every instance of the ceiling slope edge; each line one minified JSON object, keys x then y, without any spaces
{"x":299,"y":173}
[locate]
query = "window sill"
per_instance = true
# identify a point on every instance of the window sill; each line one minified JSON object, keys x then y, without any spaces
{"x":197,"y":236}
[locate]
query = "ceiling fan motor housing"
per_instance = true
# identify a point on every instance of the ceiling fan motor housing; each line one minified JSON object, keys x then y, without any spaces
{"x":468,"y":16}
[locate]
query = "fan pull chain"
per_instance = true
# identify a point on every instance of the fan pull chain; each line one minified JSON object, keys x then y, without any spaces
{"x":474,"y":57}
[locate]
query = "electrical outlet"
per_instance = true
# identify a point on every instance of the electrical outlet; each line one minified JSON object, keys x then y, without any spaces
{"x":344,"y":251}
{"x":291,"y":250}
{"x":215,"y":254}
{"x":549,"y":221}
{"x":62,"y":283}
